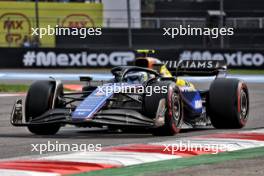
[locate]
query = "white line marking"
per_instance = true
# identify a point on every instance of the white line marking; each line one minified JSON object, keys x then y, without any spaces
{"x":115,"y":158}
{"x":12,"y":94}
{"x":9,"y":172}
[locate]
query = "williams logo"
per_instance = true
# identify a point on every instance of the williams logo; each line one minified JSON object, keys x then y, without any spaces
{"x":235,"y":59}
{"x":193,"y":64}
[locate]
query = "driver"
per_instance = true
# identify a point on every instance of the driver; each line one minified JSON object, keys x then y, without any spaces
{"x":150,"y":62}
{"x":136,"y":77}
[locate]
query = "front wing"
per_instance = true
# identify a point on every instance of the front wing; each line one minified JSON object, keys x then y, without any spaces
{"x":108,"y":117}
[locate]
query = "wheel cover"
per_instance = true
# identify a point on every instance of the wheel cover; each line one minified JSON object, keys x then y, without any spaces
{"x":243,"y":104}
{"x":176,"y":109}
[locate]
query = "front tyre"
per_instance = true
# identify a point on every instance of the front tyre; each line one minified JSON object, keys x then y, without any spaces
{"x":39,"y":99}
{"x":174,"y":110}
{"x":228,"y":103}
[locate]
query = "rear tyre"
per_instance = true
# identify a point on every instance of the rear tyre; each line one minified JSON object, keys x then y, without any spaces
{"x":228,"y":103}
{"x":39,"y":100}
{"x":173,"y":113}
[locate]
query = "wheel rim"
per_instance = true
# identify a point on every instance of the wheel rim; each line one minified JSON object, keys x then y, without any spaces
{"x":243,"y":104}
{"x":176,"y":109}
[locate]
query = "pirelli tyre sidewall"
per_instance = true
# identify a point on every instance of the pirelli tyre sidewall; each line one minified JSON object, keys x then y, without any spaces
{"x":228,"y":104}
{"x":39,"y":99}
{"x":174,"y":108}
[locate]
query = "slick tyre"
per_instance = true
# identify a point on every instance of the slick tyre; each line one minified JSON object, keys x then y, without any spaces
{"x":39,"y":100}
{"x":228,"y":103}
{"x":174,"y":110}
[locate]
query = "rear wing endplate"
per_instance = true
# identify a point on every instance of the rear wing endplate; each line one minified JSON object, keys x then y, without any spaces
{"x":197,"y":67}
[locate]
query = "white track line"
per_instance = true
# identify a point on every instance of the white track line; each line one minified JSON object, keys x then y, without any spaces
{"x":115,"y":158}
{"x":12,"y":94}
{"x":8,"y":172}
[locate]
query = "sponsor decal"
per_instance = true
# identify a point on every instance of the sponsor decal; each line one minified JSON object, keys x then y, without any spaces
{"x":237,"y":58}
{"x":14,"y":26}
{"x":192,"y":64}
{"x":17,"y":19}
{"x":78,"y":21}
{"x":198,"y":104}
{"x":81,"y":59}
{"x":74,"y":58}
{"x":186,"y":88}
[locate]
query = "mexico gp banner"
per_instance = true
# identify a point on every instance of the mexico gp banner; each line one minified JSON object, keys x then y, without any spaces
{"x":64,"y":58}
{"x":17,"y":19}
{"x":235,"y":58}
{"x":103,"y":58}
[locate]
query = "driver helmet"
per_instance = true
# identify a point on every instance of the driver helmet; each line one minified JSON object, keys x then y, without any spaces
{"x":136,"y":77}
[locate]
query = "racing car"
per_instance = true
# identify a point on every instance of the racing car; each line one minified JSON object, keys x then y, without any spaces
{"x":146,"y":95}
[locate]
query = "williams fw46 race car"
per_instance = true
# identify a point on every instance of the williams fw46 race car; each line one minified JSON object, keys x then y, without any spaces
{"x":146,"y":95}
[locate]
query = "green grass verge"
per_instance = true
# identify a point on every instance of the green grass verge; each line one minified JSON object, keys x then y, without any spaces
{"x":246,"y":72}
{"x":13,"y":88}
{"x":172,"y":165}
{"x":7,"y":88}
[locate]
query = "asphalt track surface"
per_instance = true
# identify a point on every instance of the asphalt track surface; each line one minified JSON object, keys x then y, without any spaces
{"x":16,"y":141}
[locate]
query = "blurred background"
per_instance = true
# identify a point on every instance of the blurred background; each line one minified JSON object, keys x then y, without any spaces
{"x":128,"y":25}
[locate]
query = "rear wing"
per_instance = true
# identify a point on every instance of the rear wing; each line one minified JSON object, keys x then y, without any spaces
{"x":196,"y":67}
